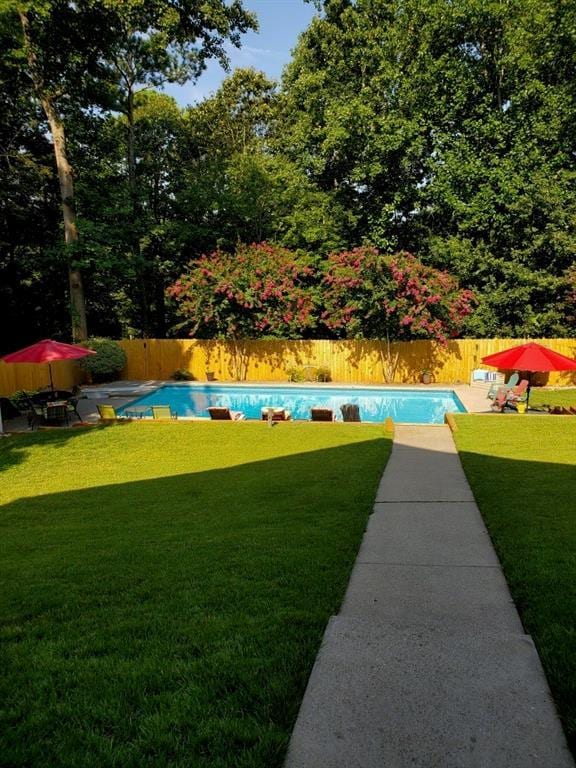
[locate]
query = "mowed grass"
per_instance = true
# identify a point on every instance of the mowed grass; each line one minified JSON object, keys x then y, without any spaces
{"x":553,"y":396}
{"x":164,"y":587}
{"x":522,"y":470}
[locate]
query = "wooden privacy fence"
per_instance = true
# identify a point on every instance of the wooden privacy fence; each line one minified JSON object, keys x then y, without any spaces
{"x":32,"y":376}
{"x":352,"y":362}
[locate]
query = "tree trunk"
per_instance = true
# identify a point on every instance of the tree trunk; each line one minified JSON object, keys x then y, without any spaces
{"x":77,"y":299}
{"x":141,"y":270}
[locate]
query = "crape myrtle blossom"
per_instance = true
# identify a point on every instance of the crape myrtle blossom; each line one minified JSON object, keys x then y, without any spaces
{"x":264,"y":290}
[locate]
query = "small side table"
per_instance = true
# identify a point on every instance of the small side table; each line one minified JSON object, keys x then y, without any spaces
{"x":138,"y":411}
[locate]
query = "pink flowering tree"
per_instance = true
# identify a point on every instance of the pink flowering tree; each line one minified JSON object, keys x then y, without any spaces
{"x":369,"y":295}
{"x":261,"y":290}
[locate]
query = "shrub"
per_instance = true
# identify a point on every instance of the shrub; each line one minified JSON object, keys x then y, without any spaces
{"x":323,"y":373}
{"x":296,"y":374}
{"x":108,"y":361}
{"x":183,"y":375}
{"x":262,"y":290}
{"x":20,"y":399}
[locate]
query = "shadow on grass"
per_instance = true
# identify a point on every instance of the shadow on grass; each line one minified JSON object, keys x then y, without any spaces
{"x":174,"y":621}
{"x":528,"y":507}
{"x":14,"y":447}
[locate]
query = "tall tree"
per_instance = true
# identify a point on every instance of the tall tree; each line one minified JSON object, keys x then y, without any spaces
{"x":30,"y":265}
{"x":157,"y":43}
{"x":447,"y":128}
{"x":85,"y":53}
{"x":61,"y":58}
{"x":236,"y":187}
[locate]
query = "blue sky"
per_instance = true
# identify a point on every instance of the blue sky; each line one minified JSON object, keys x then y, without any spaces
{"x":281,"y":21}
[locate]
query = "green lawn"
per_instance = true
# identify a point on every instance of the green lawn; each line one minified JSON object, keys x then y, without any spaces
{"x":552,"y":396}
{"x":522,"y":470}
{"x":164,"y":587}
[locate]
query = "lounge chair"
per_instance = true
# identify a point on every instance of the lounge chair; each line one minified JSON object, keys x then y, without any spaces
{"x":219,"y":413}
{"x":163,"y":412}
{"x":499,"y":402}
{"x":106,"y":412}
{"x":321,"y":414}
{"x":506,"y":398}
{"x":510,"y":384}
{"x":350,"y":412}
{"x":278,"y":414}
{"x":519,"y":393}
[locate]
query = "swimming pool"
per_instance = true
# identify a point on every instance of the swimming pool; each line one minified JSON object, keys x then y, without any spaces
{"x":414,"y":406}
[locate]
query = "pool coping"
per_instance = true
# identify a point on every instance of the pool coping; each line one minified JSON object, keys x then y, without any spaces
{"x":473,"y":398}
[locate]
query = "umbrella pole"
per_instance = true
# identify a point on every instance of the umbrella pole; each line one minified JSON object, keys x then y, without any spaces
{"x":1,"y":422}
{"x":51,"y":382}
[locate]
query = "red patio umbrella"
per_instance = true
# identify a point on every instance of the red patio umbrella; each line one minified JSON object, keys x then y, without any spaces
{"x":47,"y":351}
{"x":530,"y":357}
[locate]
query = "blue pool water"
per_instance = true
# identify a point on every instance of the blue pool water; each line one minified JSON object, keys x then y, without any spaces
{"x":403,"y":405}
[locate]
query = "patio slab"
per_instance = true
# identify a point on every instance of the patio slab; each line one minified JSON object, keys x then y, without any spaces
{"x":383,"y":696}
{"x":445,"y":597}
{"x":427,"y":533}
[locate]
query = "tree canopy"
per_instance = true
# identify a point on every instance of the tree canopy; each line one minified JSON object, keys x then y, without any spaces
{"x":441,"y":128}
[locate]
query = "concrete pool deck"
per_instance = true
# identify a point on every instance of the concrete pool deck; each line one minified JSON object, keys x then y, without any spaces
{"x":473,"y":398}
{"x":427,"y":663}
{"x":120,"y":393}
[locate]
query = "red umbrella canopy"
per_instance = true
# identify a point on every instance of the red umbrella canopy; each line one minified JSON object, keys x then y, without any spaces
{"x":530,"y":357}
{"x":47,"y":351}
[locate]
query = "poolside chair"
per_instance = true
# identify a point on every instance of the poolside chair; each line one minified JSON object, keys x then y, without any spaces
{"x":34,"y":412}
{"x":56,"y":413}
{"x":510,"y":384}
{"x":321,"y":414}
{"x":220,"y":413}
{"x":350,"y":412}
{"x":163,"y":412}
{"x":519,"y":393}
{"x":275,"y":414}
{"x":499,"y":402}
{"x":506,"y":398}
{"x":72,"y":407}
{"x":107,"y":412}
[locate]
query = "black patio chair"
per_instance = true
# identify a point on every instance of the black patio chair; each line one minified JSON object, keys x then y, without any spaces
{"x":72,"y":407}
{"x":56,"y":413}
{"x":34,"y":412}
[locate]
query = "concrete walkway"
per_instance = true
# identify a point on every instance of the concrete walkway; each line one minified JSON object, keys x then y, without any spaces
{"x":427,"y":663}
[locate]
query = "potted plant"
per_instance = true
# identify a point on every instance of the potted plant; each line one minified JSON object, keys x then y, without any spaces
{"x":426,"y":376}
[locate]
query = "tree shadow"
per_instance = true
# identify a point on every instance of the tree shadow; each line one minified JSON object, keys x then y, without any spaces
{"x":400,"y":362}
{"x":15,"y":446}
{"x":178,"y":616}
{"x":528,"y":507}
